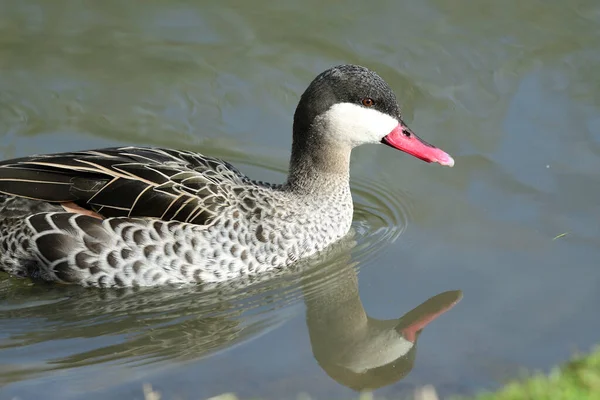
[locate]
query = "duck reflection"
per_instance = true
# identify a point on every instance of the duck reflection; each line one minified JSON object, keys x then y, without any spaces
{"x":356,"y":350}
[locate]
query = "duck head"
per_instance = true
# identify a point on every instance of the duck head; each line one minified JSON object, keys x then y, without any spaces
{"x":350,"y":105}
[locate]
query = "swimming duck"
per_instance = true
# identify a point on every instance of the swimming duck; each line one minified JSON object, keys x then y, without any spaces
{"x":140,"y":216}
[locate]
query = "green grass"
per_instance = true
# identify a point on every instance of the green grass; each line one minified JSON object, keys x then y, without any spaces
{"x":579,"y":379}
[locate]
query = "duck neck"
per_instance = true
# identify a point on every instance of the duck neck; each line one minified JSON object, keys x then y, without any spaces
{"x":318,"y":166}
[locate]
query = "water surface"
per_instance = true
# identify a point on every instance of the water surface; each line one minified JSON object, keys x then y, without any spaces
{"x":510,"y":89}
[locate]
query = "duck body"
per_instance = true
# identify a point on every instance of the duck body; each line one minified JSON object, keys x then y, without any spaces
{"x":138,"y":216}
{"x":182,"y":218}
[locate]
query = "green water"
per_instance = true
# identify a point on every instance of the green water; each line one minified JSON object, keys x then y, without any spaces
{"x":510,"y":89}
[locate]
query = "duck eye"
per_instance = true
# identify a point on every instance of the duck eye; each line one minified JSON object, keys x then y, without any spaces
{"x":367,"y":102}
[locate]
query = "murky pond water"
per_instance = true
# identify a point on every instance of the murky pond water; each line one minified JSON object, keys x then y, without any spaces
{"x":511,"y":90}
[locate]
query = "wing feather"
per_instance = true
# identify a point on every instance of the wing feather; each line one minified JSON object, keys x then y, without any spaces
{"x":129,"y":181}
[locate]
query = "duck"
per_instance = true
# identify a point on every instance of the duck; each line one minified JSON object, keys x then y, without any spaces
{"x":148,"y":216}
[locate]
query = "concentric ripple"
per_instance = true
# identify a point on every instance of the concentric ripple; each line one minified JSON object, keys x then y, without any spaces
{"x":381,"y":215}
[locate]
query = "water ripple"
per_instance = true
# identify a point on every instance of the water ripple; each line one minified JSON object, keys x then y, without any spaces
{"x":381,"y":215}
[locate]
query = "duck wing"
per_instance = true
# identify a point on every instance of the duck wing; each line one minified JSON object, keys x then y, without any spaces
{"x":129,"y":181}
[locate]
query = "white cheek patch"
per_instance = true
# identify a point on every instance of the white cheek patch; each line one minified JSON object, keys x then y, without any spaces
{"x":356,"y":125}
